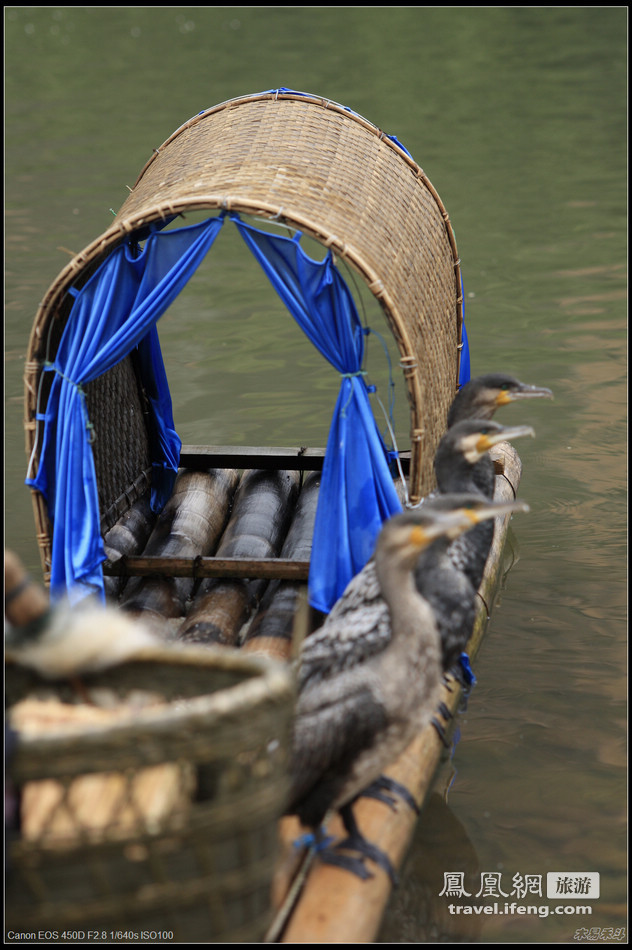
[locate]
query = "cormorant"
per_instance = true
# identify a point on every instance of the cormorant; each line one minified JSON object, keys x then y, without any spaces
{"x":70,"y":642}
{"x":60,"y":642}
{"x":448,"y":590}
{"x":479,"y":399}
{"x":462,"y":464}
{"x":369,"y":679}
{"x":483,"y":395}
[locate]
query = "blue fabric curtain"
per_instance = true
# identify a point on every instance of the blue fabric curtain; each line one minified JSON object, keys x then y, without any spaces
{"x":114,"y":312}
{"x":357,"y":492}
{"x":464,"y":362}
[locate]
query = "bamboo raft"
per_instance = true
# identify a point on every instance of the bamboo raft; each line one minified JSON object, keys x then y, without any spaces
{"x":221,"y":571}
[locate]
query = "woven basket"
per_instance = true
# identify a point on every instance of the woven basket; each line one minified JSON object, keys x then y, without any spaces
{"x":161,"y":820}
{"x":318,"y":167}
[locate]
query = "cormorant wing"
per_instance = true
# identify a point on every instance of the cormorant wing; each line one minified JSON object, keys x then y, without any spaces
{"x":358,"y":627}
{"x":327,"y":740}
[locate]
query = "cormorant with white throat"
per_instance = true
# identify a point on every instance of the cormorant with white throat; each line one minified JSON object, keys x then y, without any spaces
{"x":370,"y":678}
{"x":462,"y":464}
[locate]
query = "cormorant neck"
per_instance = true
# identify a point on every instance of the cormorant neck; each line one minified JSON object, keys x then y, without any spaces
{"x":461,"y":476}
{"x":410,"y":613}
{"x":465,"y":406}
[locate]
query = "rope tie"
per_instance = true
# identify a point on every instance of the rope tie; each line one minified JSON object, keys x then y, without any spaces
{"x":377,"y":288}
{"x":359,"y":372}
{"x":51,"y":366}
{"x":47,"y":365}
{"x":334,"y":242}
{"x":409,"y":366}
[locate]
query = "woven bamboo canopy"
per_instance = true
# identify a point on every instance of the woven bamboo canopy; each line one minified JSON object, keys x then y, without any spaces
{"x":326,"y":171}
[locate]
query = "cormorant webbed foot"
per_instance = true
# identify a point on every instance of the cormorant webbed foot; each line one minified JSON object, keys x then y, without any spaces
{"x":380,"y":788}
{"x":368,"y":850}
{"x":444,"y":712}
{"x":440,"y":729}
{"x":346,"y":861}
{"x":357,"y":842}
{"x":321,"y":843}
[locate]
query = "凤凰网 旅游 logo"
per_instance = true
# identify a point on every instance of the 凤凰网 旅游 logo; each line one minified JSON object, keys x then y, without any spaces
{"x":564,"y":885}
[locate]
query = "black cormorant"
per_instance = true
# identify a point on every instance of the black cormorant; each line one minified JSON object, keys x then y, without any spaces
{"x":462,"y":464}
{"x":483,"y":395}
{"x":448,"y":590}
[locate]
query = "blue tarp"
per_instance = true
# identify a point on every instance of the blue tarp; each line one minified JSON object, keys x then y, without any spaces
{"x":116,"y":311}
{"x":113,"y":313}
{"x":356,"y":492}
{"x":464,"y":360}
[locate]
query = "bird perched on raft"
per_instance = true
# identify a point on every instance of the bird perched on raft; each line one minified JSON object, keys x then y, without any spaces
{"x":463,"y":464}
{"x":448,"y":575}
{"x":67,"y":643}
{"x":369,"y":679}
{"x":481,"y":396}
{"x":477,"y":400}
{"x":446,"y":587}
{"x":59,"y":642}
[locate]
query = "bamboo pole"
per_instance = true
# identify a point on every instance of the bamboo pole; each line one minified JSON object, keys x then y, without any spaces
{"x":189,"y":525}
{"x":129,"y":535}
{"x":334,"y":906}
{"x":257,"y":527}
{"x":271,"y":630}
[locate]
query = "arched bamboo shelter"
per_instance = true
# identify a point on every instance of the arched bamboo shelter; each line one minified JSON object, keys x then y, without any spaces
{"x":319,"y":168}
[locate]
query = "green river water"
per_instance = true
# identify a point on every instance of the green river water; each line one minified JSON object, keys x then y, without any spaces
{"x":518,"y":117}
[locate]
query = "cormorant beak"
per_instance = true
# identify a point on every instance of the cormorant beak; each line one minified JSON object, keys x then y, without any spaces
{"x":444,"y":523}
{"x":448,"y":523}
{"x":507,"y":434}
{"x":525,"y":392}
{"x":491,"y":510}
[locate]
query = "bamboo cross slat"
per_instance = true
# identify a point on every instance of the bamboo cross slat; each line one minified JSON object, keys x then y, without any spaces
{"x":145,"y":566}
